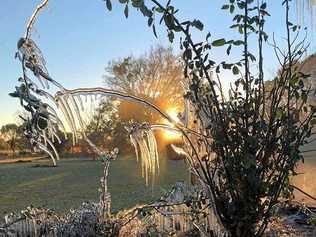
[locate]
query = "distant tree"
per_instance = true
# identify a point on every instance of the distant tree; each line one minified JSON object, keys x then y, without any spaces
{"x":156,"y":77}
{"x":105,"y":128}
{"x":10,"y":133}
{"x":3,"y":144}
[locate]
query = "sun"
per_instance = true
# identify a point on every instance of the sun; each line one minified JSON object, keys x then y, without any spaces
{"x":172,"y":135}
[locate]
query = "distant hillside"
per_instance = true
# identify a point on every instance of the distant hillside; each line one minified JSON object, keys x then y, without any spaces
{"x":309,"y":67}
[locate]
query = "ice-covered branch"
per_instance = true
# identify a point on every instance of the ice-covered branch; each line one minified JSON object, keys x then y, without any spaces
{"x":33,"y":18}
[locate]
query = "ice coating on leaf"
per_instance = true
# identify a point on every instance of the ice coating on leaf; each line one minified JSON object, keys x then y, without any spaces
{"x":33,"y":59}
{"x":180,"y":151}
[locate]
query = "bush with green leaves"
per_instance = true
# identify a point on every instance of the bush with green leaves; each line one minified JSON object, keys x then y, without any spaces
{"x":248,"y":143}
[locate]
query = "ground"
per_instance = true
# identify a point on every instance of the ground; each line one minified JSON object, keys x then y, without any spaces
{"x":76,"y":180}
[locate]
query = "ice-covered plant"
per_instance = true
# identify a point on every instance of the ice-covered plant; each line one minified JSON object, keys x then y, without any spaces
{"x":242,"y":147}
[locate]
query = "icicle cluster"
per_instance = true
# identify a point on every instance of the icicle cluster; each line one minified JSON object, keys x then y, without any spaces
{"x":31,"y":222}
{"x":303,"y":6}
{"x":144,"y":142}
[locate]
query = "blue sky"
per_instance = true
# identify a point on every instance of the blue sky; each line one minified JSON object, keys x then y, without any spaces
{"x":79,"y":37}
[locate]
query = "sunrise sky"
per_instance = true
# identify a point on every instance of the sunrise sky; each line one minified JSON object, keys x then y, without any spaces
{"x":79,"y":37}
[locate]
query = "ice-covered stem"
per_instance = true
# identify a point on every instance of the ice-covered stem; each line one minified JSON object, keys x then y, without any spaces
{"x":105,"y":196}
{"x":33,"y":18}
{"x":121,"y":95}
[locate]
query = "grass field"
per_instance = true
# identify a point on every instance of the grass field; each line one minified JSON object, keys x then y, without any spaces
{"x":77,"y":180}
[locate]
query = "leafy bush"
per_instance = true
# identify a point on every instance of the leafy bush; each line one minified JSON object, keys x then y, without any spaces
{"x":248,"y":144}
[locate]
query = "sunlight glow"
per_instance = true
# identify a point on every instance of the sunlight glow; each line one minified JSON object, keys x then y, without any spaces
{"x":170,"y":135}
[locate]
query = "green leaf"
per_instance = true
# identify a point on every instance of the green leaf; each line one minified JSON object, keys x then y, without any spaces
{"x":227,"y":65}
{"x":137,"y":3}
{"x":252,"y":57}
{"x":238,"y":42}
{"x":154,"y":30}
{"x":145,"y":11}
{"x":225,"y":7}
{"x":208,"y":36}
{"x":304,"y":97}
{"x":235,"y":70}
{"x":171,"y":36}
{"x":279,"y":114}
{"x":231,"y":9}
{"x":198,"y":24}
{"x":240,"y":29}
{"x":229,"y":49}
{"x":123,"y":1}
{"x":294,"y":28}
{"x":150,"y":21}
{"x":126,"y":11}
{"x":159,"y":10}
{"x":263,"y":6}
{"x":169,"y":21}
{"x":109,"y":5}
{"x":177,"y":28}
{"x":219,"y":42}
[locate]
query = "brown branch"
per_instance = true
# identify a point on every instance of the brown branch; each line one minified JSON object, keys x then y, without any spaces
{"x":302,"y":191}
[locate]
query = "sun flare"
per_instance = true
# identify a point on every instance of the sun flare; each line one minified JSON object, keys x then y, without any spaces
{"x":172,"y":135}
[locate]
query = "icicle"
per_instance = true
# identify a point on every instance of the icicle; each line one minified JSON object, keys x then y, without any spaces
{"x":66,"y":116}
{"x":70,"y":114}
{"x":71,"y":119}
{"x":80,"y":102}
{"x":135,"y":145}
{"x":50,"y":133}
{"x":44,"y":138}
{"x":47,"y":141}
{"x":76,"y":108}
{"x":56,"y":136}
{"x":43,"y":148}
{"x":54,"y":149}
{"x":142,"y":137}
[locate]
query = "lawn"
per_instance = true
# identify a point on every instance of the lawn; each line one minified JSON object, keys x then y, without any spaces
{"x":76,"y":180}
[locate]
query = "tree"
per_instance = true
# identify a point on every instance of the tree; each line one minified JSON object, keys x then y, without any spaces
{"x":10,"y":133}
{"x":105,"y":127}
{"x":156,"y":77}
{"x":3,"y":144}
